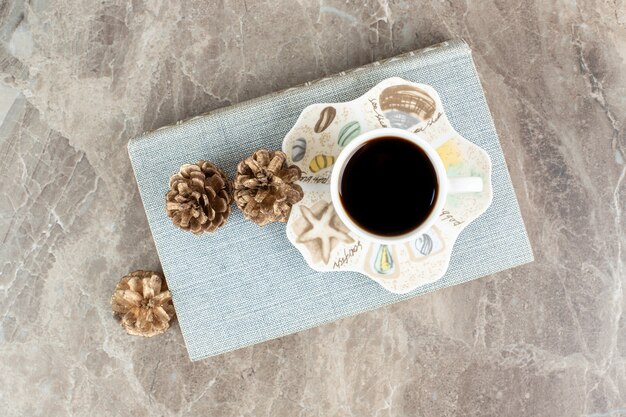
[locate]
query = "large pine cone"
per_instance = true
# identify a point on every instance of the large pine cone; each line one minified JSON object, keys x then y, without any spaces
{"x":264,"y":187}
{"x":199,"y":198}
{"x":143,"y":304}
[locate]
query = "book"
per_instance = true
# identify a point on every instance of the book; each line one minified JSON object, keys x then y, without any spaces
{"x":246,"y":284}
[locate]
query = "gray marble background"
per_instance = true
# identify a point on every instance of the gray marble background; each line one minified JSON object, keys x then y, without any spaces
{"x":79,"y":78}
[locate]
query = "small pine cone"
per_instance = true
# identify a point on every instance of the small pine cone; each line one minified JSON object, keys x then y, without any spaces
{"x":264,"y":187}
{"x":199,"y":198}
{"x":143,"y":304}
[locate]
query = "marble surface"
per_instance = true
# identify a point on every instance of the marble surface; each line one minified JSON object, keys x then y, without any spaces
{"x":80,"y":78}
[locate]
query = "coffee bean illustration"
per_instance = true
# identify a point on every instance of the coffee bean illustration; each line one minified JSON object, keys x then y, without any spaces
{"x":326,"y":118}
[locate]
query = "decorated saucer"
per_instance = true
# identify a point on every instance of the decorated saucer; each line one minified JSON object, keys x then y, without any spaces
{"x":315,"y":141}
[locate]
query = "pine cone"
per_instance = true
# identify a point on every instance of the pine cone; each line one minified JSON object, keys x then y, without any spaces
{"x":199,"y":198}
{"x":264,"y":187}
{"x":143,"y":304}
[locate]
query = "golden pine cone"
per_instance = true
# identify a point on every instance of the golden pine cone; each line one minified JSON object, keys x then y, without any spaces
{"x":264,"y":187}
{"x":199,"y":198}
{"x":143,"y":304}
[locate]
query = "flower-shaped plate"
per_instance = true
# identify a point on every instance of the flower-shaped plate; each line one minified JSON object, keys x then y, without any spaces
{"x":319,"y":135}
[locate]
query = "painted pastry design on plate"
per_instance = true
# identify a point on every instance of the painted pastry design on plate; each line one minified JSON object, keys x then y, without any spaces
{"x":406,"y":105}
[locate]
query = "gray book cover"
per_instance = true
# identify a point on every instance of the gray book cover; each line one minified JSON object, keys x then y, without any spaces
{"x":247,"y":284}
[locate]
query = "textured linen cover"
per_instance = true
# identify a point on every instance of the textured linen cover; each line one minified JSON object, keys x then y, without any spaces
{"x":246,"y":284}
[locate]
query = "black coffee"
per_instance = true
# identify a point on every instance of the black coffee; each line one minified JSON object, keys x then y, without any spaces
{"x":389,"y":186}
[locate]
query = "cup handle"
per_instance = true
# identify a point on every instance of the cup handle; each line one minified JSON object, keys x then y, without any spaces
{"x":457,"y":185}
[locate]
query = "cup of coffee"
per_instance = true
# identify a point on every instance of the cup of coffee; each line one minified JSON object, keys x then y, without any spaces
{"x":389,"y":185}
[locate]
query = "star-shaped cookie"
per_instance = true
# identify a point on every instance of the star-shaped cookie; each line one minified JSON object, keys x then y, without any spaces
{"x":321,"y":228}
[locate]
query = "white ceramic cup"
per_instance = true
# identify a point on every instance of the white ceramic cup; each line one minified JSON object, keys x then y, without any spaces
{"x":446,"y":185}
